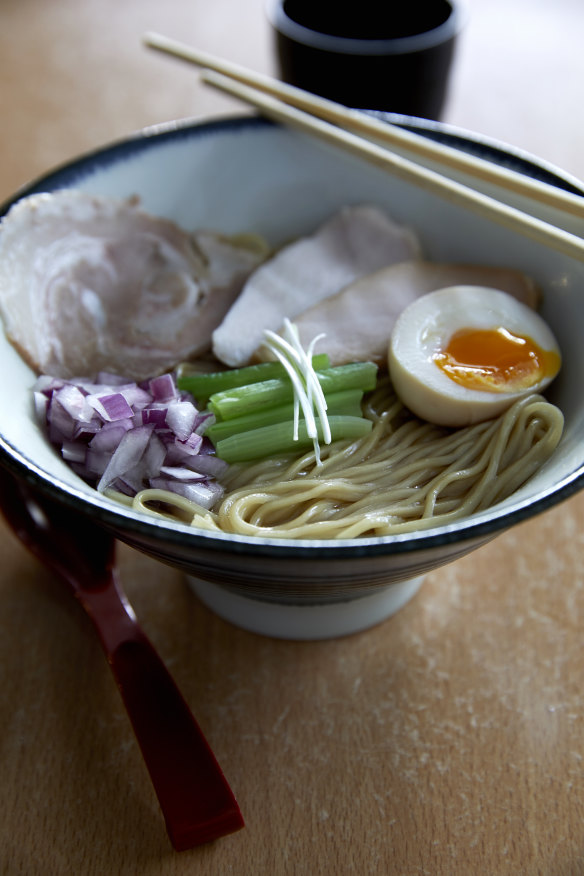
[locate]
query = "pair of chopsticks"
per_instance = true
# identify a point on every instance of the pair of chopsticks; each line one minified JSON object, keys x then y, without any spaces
{"x":372,"y":139}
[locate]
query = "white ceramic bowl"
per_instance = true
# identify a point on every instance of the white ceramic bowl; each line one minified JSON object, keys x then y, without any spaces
{"x":248,"y":174}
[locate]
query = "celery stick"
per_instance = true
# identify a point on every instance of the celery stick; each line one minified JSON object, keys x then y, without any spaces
{"x":203,"y":385}
{"x":278,"y":438}
{"x":345,"y":403}
{"x":244,"y":400}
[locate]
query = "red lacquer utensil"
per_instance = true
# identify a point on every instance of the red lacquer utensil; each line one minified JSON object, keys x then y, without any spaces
{"x":197,"y":803}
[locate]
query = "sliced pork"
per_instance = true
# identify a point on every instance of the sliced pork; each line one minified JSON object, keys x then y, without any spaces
{"x":353,"y":242}
{"x":90,"y":284}
{"x":358,"y":320}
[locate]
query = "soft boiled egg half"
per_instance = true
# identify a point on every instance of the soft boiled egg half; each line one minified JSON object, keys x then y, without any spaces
{"x":464,"y":354}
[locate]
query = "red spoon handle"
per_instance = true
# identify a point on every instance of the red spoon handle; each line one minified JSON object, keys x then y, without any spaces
{"x":196,"y":800}
{"x":197,"y":803}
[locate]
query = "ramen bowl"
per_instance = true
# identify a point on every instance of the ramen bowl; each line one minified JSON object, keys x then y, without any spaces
{"x":247,"y":174}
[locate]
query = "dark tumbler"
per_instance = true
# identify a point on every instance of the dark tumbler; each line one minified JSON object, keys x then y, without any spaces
{"x":386,"y":56}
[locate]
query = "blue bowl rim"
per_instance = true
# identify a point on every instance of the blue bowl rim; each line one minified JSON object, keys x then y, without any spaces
{"x":137,"y":525}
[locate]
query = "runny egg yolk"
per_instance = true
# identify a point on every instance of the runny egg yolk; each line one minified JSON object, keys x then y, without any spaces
{"x":495,"y":360}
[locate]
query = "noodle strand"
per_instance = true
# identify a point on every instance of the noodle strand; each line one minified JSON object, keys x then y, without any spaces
{"x":405,"y":475}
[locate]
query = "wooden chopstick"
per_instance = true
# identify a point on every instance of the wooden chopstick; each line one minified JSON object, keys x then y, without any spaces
{"x":265,"y":94}
{"x":379,"y":130}
{"x":457,"y":193}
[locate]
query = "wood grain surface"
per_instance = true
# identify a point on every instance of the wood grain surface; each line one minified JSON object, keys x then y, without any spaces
{"x":448,"y":740}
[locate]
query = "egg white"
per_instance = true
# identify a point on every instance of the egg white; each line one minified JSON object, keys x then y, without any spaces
{"x":425,"y":327}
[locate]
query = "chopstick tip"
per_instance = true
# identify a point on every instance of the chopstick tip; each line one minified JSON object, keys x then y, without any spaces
{"x":154,"y":40}
{"x":150,"y":38}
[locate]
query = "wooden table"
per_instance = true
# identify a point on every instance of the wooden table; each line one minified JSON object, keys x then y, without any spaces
{"x":448,"y":740}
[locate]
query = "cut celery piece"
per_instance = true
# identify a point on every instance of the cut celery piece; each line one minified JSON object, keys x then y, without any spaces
{"x":203,"y":385}
{"x":279,"y":438}
{"x":345,"y":403}
{"x":245,"y":400}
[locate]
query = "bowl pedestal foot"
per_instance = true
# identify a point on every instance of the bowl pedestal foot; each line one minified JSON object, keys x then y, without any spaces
{"x":305,"y":622}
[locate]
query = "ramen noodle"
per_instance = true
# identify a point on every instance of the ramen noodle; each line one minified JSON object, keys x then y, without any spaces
{"x":405,"y":475}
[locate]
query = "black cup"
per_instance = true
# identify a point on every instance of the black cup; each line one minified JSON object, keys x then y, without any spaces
{"x":380,"y":55}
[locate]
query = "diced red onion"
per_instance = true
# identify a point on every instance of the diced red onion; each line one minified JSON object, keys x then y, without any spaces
{"x":73,"y":451}
{"x":203,"y":422}
{"x":186,"y":475}
{"x":154,"y":415}
{"x":163,"y":388}
{"x":180,"y":417}
{"x":126,"y":455}
{"x":96,"y":462}
{"x":41,"y":404}
{"x":122,"y":486}
{"x":75,"y":403}
{"x":61,"y":423}
{"x":206,"y":496}
{"x":84,"y":431}
{"x":111,"y":407}
{"x":131,"y":482}
{"x":115,"y":433}
{"x":154,"y":456}
{"x":191,"y":445}
{"x":106,"y":440}
{"x":137,"y":397}
{"x":45,"y":384}
{"x":208,"y":464}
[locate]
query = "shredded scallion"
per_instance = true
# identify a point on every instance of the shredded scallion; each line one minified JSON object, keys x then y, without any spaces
{"x":308,"y":393}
